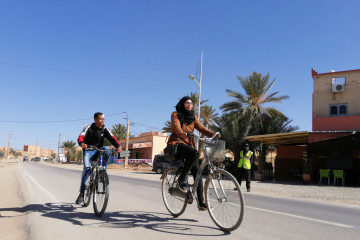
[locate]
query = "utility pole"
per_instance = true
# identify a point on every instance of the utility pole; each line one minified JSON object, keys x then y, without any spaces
{"x":202,"y":53}
{"x":127,"y":140}
{"x":36,"y":148}
{"x":8,"y":148}
{"x":58,"y":158}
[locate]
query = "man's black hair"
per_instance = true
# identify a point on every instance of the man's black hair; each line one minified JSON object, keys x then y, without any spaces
{"x":98,"y":114}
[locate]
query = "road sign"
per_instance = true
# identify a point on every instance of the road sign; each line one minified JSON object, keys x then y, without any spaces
{"x":125,"y":153}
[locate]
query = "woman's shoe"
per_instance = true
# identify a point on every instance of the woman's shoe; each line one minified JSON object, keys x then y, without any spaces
{"x":202,"y":206}
{"x":182,"y":186}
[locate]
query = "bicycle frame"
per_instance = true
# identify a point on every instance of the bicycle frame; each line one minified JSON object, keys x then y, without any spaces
{"x":211,"y":172}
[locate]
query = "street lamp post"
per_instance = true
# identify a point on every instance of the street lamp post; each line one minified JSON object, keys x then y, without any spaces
{"x":199,"y":84}
{"x":127,"y":140}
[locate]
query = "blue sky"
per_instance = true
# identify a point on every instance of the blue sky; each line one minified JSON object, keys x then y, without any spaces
{"x":65,"y":60}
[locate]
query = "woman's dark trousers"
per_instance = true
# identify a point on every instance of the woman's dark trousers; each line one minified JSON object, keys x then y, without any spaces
{"x":191,"y":157}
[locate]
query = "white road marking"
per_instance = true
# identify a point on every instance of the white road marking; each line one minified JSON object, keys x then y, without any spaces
{"x":46,"y":192}
{"x":301,"y":217}
{"x":148,"y":187}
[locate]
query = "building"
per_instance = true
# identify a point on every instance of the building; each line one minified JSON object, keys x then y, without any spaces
{"x":145,"y":146}
{"x":37,"y":151}
{"x":336,"y":105}
{"x":335,"y":122}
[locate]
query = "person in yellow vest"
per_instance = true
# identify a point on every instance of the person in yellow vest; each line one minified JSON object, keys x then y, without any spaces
{"x":244,"y":166}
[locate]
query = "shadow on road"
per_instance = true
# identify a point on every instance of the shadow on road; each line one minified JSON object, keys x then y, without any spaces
{"x":160,"y":222}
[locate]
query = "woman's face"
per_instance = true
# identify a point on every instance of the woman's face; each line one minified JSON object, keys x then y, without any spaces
{"x":188,"y":105}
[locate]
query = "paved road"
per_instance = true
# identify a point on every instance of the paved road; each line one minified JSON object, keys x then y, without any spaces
{"x":136,"y":211}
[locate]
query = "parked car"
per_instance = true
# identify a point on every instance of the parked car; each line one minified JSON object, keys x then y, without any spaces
{"x":159,"y":164}
{"x":37,"y":159}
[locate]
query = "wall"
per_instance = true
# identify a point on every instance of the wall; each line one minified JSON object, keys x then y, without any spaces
{"x":159,"y":143}
{"x":323,"y":97}
{"x":288,"y":157}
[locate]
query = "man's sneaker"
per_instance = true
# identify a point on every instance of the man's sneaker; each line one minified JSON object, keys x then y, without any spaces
{"x":202,"y":206}
{"x":80,"y":199}
{"x":248,"y":190}
{"x":235,"y":189}
{"x":182,"y":186}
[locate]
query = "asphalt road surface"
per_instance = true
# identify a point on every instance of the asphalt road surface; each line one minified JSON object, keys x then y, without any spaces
{"x":136,"y":211}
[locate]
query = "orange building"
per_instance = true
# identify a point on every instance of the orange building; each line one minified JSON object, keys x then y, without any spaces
{"x":145,"y":146}
{"x":37,"y":151}
{"x":336,"y":105}
{"x":334,"y":142}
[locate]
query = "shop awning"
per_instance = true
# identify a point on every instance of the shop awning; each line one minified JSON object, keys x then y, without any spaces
{"x":142,"y":145}
{"x":281,"y":138}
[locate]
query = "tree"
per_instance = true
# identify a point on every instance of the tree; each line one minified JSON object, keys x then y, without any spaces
{"x":232,"y":127}
{"x":252,"y":104}
{"x":207,"y":115}
{"x":167,"y":127}
{"x":68,"y":146}
{"x":119,"y":131}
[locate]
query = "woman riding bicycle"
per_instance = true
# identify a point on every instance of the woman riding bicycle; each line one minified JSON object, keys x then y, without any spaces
{"x":183,"y":123}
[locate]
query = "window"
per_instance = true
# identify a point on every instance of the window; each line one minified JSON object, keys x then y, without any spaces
{"x":338,"y":80}
{"x":338,"y":110}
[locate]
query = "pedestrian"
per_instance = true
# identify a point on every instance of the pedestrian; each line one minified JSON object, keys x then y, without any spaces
{"x":243,"y":167}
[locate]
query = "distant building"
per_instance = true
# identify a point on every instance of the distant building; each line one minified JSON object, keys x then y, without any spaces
{"x":146,"y":145}
{"x":37,"y":151}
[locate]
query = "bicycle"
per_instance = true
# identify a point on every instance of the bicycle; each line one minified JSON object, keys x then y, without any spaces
{"x":225,"y":205}
{"x":97,"y":183}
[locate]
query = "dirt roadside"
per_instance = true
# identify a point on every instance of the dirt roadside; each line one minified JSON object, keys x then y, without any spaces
{"x":12,"y":222}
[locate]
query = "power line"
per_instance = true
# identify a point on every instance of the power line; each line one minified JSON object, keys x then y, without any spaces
{"x":103,"y":74}
{"x":147,"y":126}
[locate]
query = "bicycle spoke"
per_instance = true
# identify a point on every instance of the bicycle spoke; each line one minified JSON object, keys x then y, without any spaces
{"x":226,"y":205}
{"x":175,"y":205}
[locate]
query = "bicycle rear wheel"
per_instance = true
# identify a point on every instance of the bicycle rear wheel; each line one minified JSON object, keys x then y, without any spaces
{"x":175,"y":205}
{"x":87,"y":192}
{"x":101,"y":193}
{"x":225,"y":205}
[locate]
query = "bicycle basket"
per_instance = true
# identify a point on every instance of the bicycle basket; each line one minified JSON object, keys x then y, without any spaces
{"x":214,"y":150}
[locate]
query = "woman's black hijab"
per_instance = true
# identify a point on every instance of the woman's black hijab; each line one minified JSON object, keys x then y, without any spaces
{"x":183,"y":114}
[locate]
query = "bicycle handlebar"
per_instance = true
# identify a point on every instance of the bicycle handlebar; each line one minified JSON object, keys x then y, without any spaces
{"x":205,"y":138}
{"x":90,"y":148}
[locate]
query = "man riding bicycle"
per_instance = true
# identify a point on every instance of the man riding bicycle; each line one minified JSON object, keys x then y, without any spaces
{"x":94,"y":135}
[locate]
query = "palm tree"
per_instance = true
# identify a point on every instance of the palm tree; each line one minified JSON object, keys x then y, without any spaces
{"x":167,"y":127}
{"x":68,"y":146}
{"x":257,"y":95}
{"x":232,"y":127}
{"x":119,"y":131}
{"x":208,"y":115}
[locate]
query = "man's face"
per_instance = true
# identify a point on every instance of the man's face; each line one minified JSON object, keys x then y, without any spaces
{"x":247,"y":148}
{"x":99,"y":121}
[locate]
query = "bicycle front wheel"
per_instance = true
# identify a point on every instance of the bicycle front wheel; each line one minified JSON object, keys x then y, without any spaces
{"x":225,"y":205}
{"x":175,"y":205}
{"x":101,"y":193}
